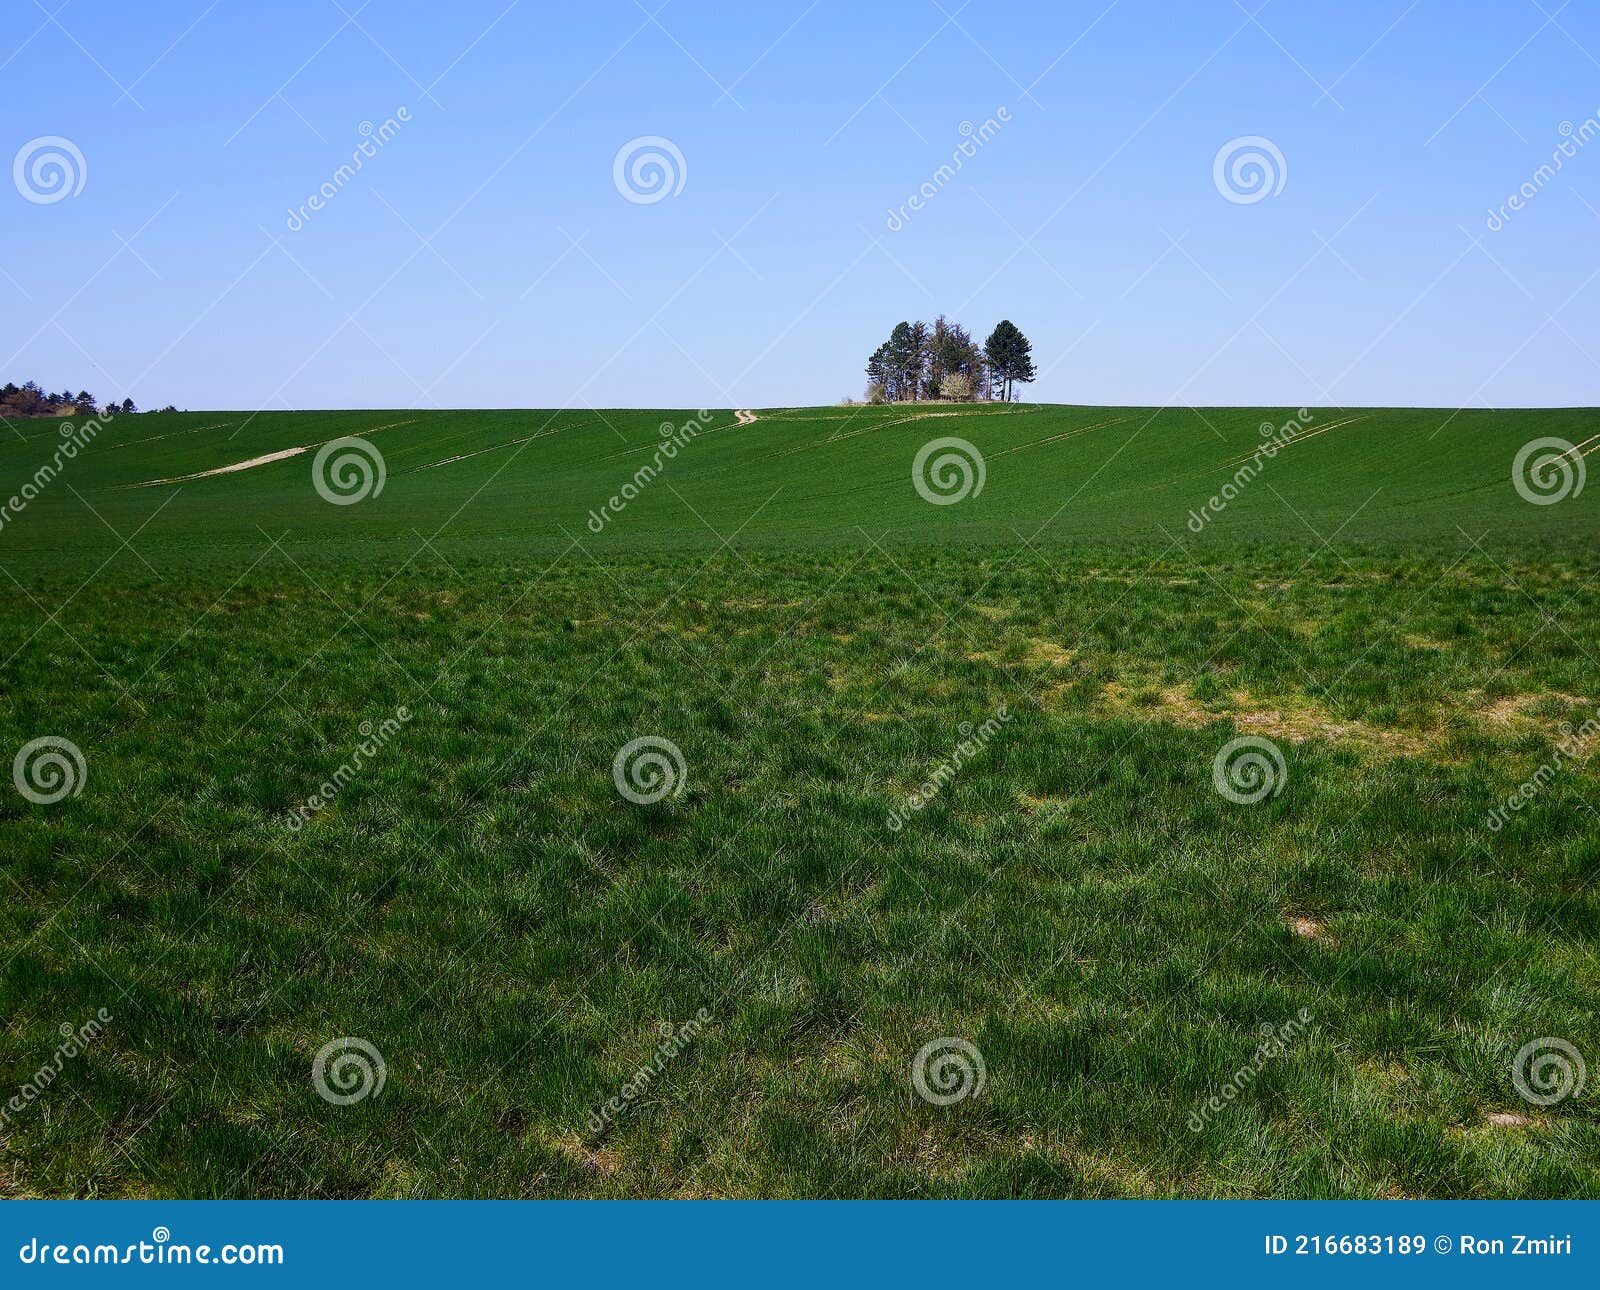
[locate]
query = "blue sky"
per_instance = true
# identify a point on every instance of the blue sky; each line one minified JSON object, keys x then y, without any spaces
{"x":485,"y":257}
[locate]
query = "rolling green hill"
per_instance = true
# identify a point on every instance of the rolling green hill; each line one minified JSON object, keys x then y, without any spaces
{"x":794,"y":833}
{"x":513,"y":482}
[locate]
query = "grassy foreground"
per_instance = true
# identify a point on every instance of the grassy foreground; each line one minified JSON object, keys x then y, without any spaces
{"x":948,"y":773}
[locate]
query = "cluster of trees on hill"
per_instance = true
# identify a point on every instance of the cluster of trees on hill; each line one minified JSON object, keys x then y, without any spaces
{"x":29,"y":400}
{"x":944,"y":362}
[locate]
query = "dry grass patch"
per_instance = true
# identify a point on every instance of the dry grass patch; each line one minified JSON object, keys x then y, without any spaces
{"x":599,"y":1159}
{"x":1311,"y":929}
{"x":1043,"y":653}
{"x":1509,"y":711}
{"x":1293,"y":718}
{"x":1175,"y":703}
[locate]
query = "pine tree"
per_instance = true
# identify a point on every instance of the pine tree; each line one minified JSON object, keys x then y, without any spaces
{"x":917,"y":358}
{"x":1010,"y":356}
{"x":901,"y":349}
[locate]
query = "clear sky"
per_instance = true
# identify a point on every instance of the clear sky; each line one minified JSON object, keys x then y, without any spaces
{"x":485,"y":255}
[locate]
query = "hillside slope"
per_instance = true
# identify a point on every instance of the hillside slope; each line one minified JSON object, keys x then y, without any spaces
{"x":502,"y":483}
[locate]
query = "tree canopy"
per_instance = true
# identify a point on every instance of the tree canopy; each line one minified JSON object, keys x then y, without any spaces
{"x":1010,"y":357}
{"x":31,"y":400}
{"x":944,"y":362}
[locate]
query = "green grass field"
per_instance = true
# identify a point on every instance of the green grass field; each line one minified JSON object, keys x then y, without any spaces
{"x":948,"y":772}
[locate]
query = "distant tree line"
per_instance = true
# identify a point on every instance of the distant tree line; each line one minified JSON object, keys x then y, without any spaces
{"x":29,"y":400}
{"x":944,"y":362}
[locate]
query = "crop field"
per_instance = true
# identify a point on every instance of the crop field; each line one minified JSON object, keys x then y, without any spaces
{"x":1098,"y":802}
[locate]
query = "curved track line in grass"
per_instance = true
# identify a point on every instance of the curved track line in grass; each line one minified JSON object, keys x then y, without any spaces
{"x":888,"y":481}
{"x":648,"y":447}
{"x":479,"y":429}
{"x":840,"y":437}
{"x":171,"y":434}
{"x":1299,"y":438}
{"x":933,"y":416}
{"x":1205,"y":471}
{"x":745,"y":417}
{"x":266,"y":459}
{"x":1498,"y":480}
{"x":496,"y":447}
{"x":1065,"y":434}
{"x":263,"y":460}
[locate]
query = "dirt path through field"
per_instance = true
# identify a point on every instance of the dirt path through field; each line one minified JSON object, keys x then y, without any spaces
{"x":265,"y":459}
